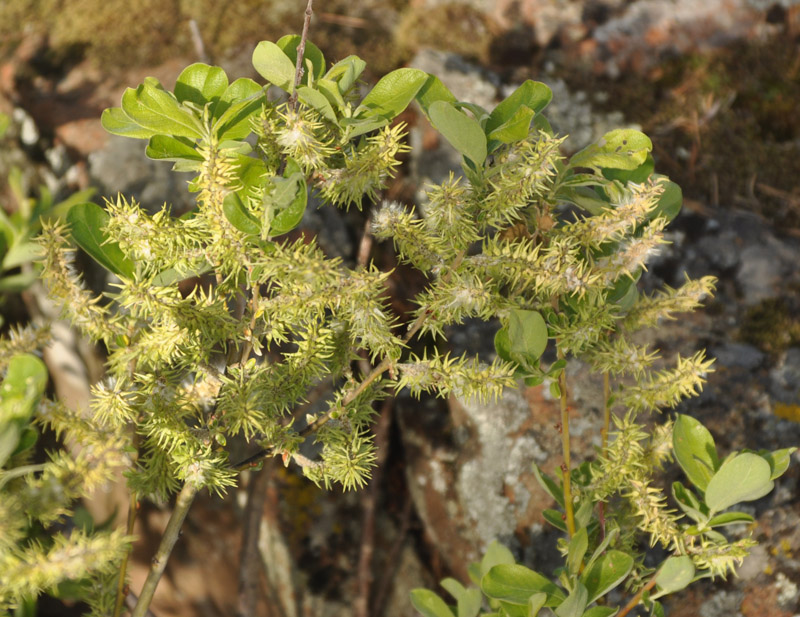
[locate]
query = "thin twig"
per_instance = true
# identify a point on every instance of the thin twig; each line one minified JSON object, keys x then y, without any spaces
{"x":168,"y":540}
{"x":301,"y":50}
{"x":637,"y":598}
{"x":197,"y":40}
{"x":132,"y":509}
{"x":368,"y":507}
{"x":250,"y":563}
{"x":130,"y":601}
{"x":566,"y":467}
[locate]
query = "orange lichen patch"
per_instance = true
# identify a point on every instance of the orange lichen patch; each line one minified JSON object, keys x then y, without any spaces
{"x":787,"y":412}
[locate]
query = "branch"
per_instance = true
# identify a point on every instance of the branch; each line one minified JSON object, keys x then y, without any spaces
{"x":301,"y":50}
{"x":168,"y":540}
{"x":637,"y":598}
{"x":250,"y":561}
{"x":368,"y":506}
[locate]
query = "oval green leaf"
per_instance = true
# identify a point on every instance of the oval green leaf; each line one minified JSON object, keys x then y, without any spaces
{"x":153,"y":108}
{"x":606,"y":573}
{"x":694,"y":450}
{"x":674,"y":575}
{"x":431,"y":91}
{"x":745,"y":477}
{"x":87,"y":222}
{"x":527,"y":333}
{"x":200,"y":83}
{"x":393,"y":92}
{"x":618,"y":149}
{"x":429,"y":604}
{"x":238,"y":216}
{"x":463,"y":133}
{"x":533,"y":95}
{"x":274,"y":65}
{"x":291,"y":196}
{"x":515,"y":584}
{"x":346,"y":72}
{"x":166,"y":148}
{"x":730,"y":518}
{"x":117,"y":122}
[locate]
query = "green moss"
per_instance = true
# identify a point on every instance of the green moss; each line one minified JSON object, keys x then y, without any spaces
{"x":120,"y":33}
{"x":453,"y":27}
{"x":772,"y":325}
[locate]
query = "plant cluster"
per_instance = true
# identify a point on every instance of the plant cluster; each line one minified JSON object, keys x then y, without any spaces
{"x":219,"y":325}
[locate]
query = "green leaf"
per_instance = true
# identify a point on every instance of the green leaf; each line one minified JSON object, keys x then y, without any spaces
{"x":577,"y":549}
{"x":330,"y":90}
{"x":535,"y":604}
{"x":431,"y":91}
{"x":117,"y":122}
{"x":675,"y":574}
{"x":694,"y":450}
{"x":610,"y":537}
{"x":311,"y":53}
{"x":274,"y":65}
{"x":549,"y":485}
{"x":429,"y":604}
{"x":171,"y":275}
{"x":464,"y":133}
{"x":393,"y":92}
{"x":601,"y":611}
{"x":516,"y":584}
{"x":532,"y":95}
{"x":639,"y":175}
{"x":555,"y":518}
{"x":745,"y":477}
{"x":9,"y":438}
{"x":15,"y":283}
{"x":583,"y":197}
{"x":21,"y":253}
{"x":515,"y":129}
{"x":453,"y":587}
{"x":316,"y":100}
{"x":619,"y":149}
{"x":87,"y":222}
{"x":527,"y":333}
{"x":669,"y":203}
{"x":359,"y":126}
{"x":496,"y":554}
{"x":164,"y":147}
{"x":22,"y":387}
{"x":239,"y":102}
{"x":778,"y":461}
{"x":575,"y":603}
{"x":468,"y":601}
{"x":346,"y":72}
{"x":688,"y":502}
{"x":606,"y":573}
{"x":238,"y":215}
{"x":200,"y":83}
{"x":729,"y":518}
{"x":291,"y":197}
{"x":154,"y":108}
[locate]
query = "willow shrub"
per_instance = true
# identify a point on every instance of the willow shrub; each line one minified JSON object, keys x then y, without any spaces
{"x":218,"y":326}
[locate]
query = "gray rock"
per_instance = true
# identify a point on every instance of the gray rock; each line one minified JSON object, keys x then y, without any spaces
{"x":738,"y":355}
{"x":722,"y":250}
{"x":759,"y":275}
{"x":121,"y":167}
{"x":785,"y":378}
